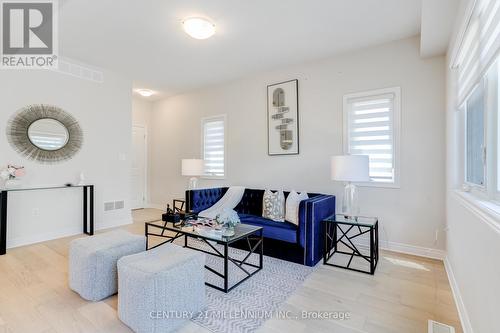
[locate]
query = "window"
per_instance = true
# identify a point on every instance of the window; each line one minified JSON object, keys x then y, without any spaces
{"x":482,"y":139}
{"x":476,"y":78}
{"x":214,"y":152}
{"x":475,"y":145}
{"x":371,"y":127}
{"x":479,"y":46}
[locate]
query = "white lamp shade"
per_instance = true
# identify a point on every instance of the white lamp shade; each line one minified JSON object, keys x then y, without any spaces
{"x":350,"y":168}
{"x":193,"y":167}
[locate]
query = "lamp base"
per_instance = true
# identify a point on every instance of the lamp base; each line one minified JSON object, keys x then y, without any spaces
{"x":193,"y":182}
{"x":350,"y":202}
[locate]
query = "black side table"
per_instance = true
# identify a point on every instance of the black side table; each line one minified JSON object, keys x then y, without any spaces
{"x":178,"y":205}
{"x":339,"y":232}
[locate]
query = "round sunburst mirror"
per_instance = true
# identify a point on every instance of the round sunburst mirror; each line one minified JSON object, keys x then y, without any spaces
{"x":44,"y":133}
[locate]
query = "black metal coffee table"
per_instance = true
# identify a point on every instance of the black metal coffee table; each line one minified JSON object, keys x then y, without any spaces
{"x":252,"y":234}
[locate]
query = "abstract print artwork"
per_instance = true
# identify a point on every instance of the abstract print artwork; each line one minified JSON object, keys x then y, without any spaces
{"x":283,"y":118}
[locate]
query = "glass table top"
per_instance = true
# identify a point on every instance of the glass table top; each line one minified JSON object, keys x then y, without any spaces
{"x":41,"y":187}
{"x":240,"y":231}
{"x":355,"y":220}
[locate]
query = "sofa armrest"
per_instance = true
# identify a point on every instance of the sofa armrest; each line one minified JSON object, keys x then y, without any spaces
{"x":311,"y":214}
{"x":199,"y":200}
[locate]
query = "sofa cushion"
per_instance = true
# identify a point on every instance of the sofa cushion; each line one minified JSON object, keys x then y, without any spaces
{"x":198,"y":200}
{"x":284,"y":231}
{"x":274,"y":205}
{"x":251,"y":203}
{"x":292,"y":206}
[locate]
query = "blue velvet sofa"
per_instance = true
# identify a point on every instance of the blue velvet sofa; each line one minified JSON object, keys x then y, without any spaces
{"x":301,"y":244}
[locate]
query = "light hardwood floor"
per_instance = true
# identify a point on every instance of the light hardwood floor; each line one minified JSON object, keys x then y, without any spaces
{"x":405,"y":292}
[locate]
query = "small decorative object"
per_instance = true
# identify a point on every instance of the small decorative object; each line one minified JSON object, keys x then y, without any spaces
{"x":170,"y":215}
{"x":193,"y":168}
{"x":187,"y":215}
{"x":350,"y":168}
{"x":82,"y":179}
{"x":283,"y":118}
{"x":44,"y":133}
{"x":228,"y":218}
{"x":210,"y":232}
{"x":12,"y":175}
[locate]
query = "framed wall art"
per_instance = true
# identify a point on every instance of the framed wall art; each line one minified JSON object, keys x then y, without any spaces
{"x":283,"y":118}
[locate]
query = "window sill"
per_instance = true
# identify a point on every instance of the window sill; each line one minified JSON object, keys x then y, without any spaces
{"x":213,"y":177}
{"x":379,"y":185}
{"x":488,"y":210}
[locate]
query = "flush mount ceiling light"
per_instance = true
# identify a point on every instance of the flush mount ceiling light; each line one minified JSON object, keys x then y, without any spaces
{"x":198,"y":27}
{"x":145,"y":92}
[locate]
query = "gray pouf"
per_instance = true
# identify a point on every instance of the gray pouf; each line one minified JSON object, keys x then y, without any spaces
{"x":160,"y":289}
{"x":92,"y":262}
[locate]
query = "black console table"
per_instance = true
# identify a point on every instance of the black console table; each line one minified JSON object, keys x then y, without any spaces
{"x":88,"y":209}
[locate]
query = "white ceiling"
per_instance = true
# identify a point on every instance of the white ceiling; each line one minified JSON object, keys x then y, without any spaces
{"x":144,"y":40}
{"x":438,"y":18}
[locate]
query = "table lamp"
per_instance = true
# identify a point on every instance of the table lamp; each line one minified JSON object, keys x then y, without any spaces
{"x":193,"y":168}
{"x":349,"y":169}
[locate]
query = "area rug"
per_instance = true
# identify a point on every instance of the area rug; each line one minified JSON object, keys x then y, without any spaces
{"x":248,"y":306}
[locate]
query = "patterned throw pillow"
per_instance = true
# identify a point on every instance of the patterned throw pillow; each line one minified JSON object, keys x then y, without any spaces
{"x":273,"y":206}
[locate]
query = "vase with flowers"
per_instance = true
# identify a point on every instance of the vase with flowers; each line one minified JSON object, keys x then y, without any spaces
{"x":228,"y":218}
{"x":12,"y":175}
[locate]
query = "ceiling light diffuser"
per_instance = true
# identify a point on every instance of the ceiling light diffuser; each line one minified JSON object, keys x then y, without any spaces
{"x":199,"y":28}
{"x":145,"y":92}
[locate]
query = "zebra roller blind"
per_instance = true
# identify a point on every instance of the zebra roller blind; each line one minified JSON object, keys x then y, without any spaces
{"x":370,"y":129}
{"x":214,"y":146}
{"x":479,"y":46}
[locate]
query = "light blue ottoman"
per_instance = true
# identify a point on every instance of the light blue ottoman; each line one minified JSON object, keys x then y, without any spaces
{"x":160,"y":289}
{"x":92,"y":262}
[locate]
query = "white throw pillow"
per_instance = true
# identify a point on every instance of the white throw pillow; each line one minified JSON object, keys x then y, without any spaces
{"x":292,"y":206}
{"x":273,"y":206}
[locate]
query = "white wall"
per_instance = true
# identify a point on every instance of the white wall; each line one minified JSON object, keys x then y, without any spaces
{"x":141,"y":116}
{"x":409,"y":215}
{"x":473,"y":239}
{"x":104,"y":113}
{"x":141,"y":111}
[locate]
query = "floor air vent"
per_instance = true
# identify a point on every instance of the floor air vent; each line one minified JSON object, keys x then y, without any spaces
{"x":435,"y":327}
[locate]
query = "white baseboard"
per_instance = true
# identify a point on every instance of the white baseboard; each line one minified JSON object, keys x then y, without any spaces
{"x":114,"y":224}
{"x":414,"y":250}
{"x":61,"y":233}
{"x":155,"y":206}
{"x":46,"y":236}
{"x":407,"y":249}
{"x":462,"y":311}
